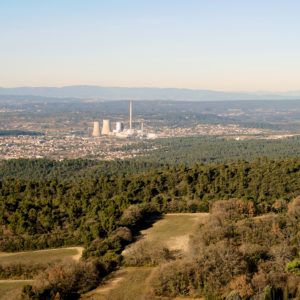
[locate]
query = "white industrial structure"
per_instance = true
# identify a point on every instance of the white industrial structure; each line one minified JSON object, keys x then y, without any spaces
{"x":119,"y":127}
{"x":130,"y":115}
{"x":106,"y":127}
{"x":96,"y":129}
{"x":119,"y":131}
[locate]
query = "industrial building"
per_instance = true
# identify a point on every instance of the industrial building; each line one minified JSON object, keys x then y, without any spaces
{"x":119,"y":127}
{"x":120,"y":130}
{"x":96,"y":129}
{"x":106,"y":130}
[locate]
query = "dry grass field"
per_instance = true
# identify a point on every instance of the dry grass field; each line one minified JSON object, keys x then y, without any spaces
{"x":41,"y":256}
{"x":172,"y":231}
{"x":11,"y":289}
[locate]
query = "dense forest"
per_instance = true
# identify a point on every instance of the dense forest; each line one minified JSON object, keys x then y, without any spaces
{"x":170,"y":151}
{"x":190,"y":150}
{"x":101,"y":205}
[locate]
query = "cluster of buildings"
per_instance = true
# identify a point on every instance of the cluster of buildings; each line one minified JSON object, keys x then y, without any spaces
{"x":60,"y":147}
{"x":119,"y":130}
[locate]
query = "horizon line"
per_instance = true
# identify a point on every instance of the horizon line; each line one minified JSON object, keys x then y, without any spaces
{"x":151,"y":87}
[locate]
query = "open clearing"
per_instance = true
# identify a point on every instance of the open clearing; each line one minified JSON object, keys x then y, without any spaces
{"x":11,"y":289}
{"x":173,"y":231}
{"x":41,"y":256}
{"x":125,"y":284}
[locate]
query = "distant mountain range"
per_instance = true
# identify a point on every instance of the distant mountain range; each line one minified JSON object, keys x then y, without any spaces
{"x":124,"y":93}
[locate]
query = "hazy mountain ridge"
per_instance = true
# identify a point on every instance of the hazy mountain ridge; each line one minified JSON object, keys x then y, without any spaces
{"x":118,"y":93}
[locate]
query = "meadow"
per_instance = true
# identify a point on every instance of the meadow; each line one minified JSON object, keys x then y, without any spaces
{"x":171,"y":232}
{"x":11,"y":288}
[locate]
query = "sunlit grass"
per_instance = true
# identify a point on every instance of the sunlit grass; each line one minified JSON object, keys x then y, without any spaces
{"x":11,"y":290}
{"x":41,"y":256}
{"x":133,"y":285}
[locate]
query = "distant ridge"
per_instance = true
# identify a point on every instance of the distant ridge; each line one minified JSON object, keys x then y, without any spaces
{"x":124,"y":93}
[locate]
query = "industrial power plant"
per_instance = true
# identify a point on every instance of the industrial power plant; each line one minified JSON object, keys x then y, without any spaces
{"x":120,"y":130}
{"x":96,"y":129}
{"x":106,"y":130}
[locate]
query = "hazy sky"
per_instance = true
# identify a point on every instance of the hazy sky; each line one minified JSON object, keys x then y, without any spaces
{"x":247,"y":45}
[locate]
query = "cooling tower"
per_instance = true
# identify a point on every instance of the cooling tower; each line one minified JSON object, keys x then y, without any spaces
{"x":96,"y":129}
{"x":119,"y":126}
{"x":105,"y":127}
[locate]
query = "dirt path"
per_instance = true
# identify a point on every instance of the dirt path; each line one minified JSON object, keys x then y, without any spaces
{"x":16,"y":280}
{"x":196,"y":215}
{"x":103,"y":290}
{"x":79,"y":255}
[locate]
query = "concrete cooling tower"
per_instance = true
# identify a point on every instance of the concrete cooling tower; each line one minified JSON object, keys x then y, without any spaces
{"x":96,"y":129}
{"x":106,"y":127}
{"x":119,"y":127}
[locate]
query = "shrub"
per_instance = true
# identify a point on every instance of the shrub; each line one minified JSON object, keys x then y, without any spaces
{"x":21,"y":270}
{"x":144,"y":254}
{"x":124,"y":234}
{"x":178,"y":278}
{"x":66,"y":281}
{"x":294,"y":267}
{"x":131,"y":216}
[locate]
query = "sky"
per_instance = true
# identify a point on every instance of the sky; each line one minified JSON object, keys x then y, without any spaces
{"x":230,"y":45}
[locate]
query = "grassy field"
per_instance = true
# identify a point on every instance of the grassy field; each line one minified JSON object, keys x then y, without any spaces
{"x":41,"y":256}
{"x":134,"y":283}
{"x":173,"y":231}
{"x":11,"y":290}
{"x":125,"y":284}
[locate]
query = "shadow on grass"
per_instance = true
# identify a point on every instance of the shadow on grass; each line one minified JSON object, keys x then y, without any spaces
{"x":146,"y":223}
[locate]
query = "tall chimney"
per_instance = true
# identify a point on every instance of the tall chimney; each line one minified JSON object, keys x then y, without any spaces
{"x":130,"y":115}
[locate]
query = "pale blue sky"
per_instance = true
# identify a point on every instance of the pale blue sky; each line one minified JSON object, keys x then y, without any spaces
{"x":207,"y":44}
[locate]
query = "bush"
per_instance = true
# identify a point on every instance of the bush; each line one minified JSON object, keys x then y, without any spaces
{"x":294,"y":267}
{"x":124,"y":234}
{"x":66,"y":281}
{"x":131,"y":216}
{"x":144,"y":254}
{"x":21,"y":270}
{"x":178,"y":278}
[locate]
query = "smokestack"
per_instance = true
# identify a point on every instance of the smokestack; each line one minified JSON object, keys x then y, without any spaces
{"x":105,"y":127}
{"x":130,"y":115}
{"x":96,"y":130}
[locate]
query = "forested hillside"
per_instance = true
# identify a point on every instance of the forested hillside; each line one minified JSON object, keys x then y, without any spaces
{"x":186,"y":151}
{"x":69,"y":169}
{"x":100,"y":207}
{"x":50,"y":207}
{"x":237,"y":255}
{"x":191,"y":150}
